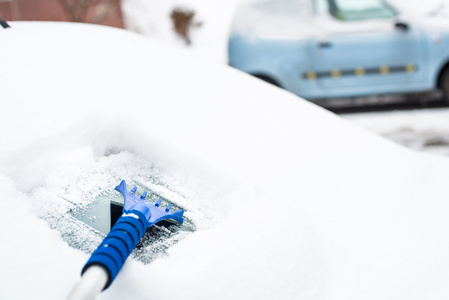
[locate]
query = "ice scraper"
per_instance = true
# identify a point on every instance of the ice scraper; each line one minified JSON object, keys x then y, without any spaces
{"x":105,"y":262}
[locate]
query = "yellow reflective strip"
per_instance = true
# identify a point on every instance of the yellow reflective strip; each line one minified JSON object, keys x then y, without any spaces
{"x":410,"y":68}
{"x":336,"y":73}
{"x":311,"y":75}
{"x":384,"y":70}
{"x":359,"y":71}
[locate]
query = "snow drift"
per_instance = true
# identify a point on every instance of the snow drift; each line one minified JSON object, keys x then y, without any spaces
{"x":289,"y":201}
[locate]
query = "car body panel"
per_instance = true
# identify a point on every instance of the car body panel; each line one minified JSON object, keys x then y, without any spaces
{"x":317,"y":56}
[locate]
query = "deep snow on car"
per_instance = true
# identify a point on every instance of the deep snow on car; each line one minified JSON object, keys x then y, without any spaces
{"x":321,"y":49}
{"x":288,"y":200}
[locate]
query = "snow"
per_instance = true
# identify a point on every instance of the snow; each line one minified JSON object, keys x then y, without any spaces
{"x":419,"y":8}
{"x":219,"y":19}
{"x":152,"y":18}
{"x":417,"y":129}
{"x":289,"y":19}
{"x":288,"y":200}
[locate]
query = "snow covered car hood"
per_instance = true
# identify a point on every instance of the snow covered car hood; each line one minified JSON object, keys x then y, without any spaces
{"x":290,"y":201}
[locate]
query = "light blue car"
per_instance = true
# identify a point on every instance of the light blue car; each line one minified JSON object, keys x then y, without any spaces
{"x":321,"y":49}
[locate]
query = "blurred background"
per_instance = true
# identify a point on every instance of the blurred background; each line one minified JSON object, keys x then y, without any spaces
{"x":106,"y":12}
{"x":189,"y":24}
{"x":203,"y":27}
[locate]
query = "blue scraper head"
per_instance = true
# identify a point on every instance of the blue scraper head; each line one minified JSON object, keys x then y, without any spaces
{"x":152,"y":211}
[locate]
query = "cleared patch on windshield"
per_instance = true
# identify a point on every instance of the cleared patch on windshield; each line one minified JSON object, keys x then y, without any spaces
{"x":105,"y":210}
{"x":83,"y":211}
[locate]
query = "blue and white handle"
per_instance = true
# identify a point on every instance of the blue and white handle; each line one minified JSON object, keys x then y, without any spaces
{"x":118,"y":244}
{"x":106,"y":262}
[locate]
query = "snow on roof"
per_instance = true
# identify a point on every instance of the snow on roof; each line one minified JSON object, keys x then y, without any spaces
{"x":273,"y":18}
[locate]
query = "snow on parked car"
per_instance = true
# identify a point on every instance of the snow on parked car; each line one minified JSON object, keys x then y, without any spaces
{"x":288,"y":201}
{"x":322,"y":49}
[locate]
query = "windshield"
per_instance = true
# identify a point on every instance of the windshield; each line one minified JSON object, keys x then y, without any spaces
{"x":353,"y":10}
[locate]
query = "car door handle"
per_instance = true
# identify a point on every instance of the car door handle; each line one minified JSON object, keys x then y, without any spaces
{"x":324,"y":44}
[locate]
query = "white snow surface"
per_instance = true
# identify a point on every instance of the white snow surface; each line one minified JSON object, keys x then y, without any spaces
{"x":420,"y":129}
{"x":285,"y":19}
{"x":209,"y":40}
{"x":289,"y":200}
